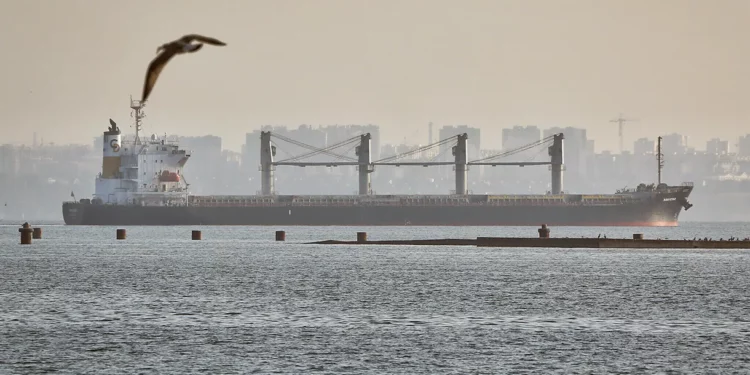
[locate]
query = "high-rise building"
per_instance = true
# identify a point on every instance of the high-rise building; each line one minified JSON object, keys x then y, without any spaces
{"x":338,"y":133}
{"x":674,"y":144}
{"x":472,"y":143}
{"x":716,"y":146}
{"x":9,"y":162}
{"x":743,"y":147}
{"x":203,"y":171}
{"x":575,"y":152}
{"x":519,"y":136}
{"x":644,"y":146}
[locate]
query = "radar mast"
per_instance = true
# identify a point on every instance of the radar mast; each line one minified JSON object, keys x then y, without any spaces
{"x":138,"y":115}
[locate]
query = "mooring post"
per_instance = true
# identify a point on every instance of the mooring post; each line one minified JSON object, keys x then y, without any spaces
{"x":26,"y":232}
{"x":638,"y":236}
{"x":121,"y":234}
{"x":196,"y":236}
{"x":37,"y":234}
{"x":361,"y":237}
{"x":543,"y":231}
{"x":280,"y":235}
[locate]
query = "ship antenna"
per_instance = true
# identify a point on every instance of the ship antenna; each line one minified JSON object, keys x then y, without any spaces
{"x":137,"y":107}
{"x":659,"y":159}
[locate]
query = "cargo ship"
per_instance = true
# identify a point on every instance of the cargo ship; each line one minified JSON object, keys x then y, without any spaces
{"x":141,"y":183}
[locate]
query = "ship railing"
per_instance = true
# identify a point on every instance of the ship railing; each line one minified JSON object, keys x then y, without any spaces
{"x":381,"y":203}
{"x":212,"y":202}
{"x":320,"y":201}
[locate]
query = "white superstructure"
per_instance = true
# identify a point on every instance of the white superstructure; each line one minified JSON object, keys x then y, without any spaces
{"x":138,"y":172}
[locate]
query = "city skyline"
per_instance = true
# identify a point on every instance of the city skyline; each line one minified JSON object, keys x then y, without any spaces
{"x":676,"y":65}
{"x":732,"y":144}
{"x":43,"y":176}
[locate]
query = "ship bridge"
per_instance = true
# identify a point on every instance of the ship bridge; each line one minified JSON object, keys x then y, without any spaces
{"x":141,"y":171}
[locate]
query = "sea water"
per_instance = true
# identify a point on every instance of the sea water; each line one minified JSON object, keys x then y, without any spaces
{"x":79,"y":301}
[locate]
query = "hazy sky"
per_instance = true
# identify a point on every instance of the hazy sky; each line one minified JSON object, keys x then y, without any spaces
{"x":676,"y":65}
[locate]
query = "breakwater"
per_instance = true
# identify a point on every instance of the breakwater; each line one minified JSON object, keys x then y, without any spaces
{"x":564,"y":243}
{"x":544,"y":240}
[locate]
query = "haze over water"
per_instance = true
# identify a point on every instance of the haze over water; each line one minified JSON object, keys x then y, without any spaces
{"x":677,"y":65}
{"x":79,"y":301}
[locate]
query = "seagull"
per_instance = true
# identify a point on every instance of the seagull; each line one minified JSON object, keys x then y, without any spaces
{"x":167,"y":50}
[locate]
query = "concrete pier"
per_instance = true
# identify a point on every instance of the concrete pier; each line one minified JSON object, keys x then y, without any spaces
{"x":560,"y":243}
{"x":437,"y":242}
{"x":608,"y":243}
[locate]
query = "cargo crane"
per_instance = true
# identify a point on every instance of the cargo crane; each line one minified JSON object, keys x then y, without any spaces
{"x":365,"y":165}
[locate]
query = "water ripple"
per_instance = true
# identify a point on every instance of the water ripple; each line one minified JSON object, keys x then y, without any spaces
{"x":253,"y":306}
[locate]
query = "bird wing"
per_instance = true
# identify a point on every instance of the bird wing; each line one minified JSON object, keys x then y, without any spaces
{"x":194,"y":47}
{"x":154,"y":69}
{"x":112,"y":122}
{"x":191,"y":37}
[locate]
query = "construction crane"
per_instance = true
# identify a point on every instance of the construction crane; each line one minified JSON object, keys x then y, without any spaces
{"x":620,"y":121}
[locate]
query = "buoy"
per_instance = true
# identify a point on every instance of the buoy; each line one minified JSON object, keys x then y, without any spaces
{"x":121,"y":234}
{"x":26,"y":232}
{"x":280,"y":235}
{"x":361,"y":237}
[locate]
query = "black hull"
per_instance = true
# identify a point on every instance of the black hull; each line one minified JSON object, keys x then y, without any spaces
{"x":645,"y":213}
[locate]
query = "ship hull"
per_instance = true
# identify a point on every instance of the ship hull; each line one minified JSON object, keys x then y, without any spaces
{"x":646,"y":213}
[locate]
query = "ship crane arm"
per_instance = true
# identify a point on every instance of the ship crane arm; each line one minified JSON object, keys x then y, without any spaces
{"x":315,"y":150}
{"x":390,"y":160}
{"x":490,"y":160}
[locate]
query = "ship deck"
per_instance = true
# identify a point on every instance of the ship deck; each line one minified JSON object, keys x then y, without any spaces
{"x":671,"y":193}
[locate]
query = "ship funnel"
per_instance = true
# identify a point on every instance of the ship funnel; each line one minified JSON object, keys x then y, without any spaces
{"x":111,"y":151}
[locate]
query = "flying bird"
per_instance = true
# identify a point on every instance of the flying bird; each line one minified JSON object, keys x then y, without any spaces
{"x":167,"y":50}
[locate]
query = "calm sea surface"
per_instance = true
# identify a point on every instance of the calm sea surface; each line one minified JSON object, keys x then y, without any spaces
{"x":78,"y":301}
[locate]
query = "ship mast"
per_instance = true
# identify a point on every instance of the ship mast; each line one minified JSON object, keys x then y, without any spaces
{"x":659,"y":159}
{"x":137,"y":107}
